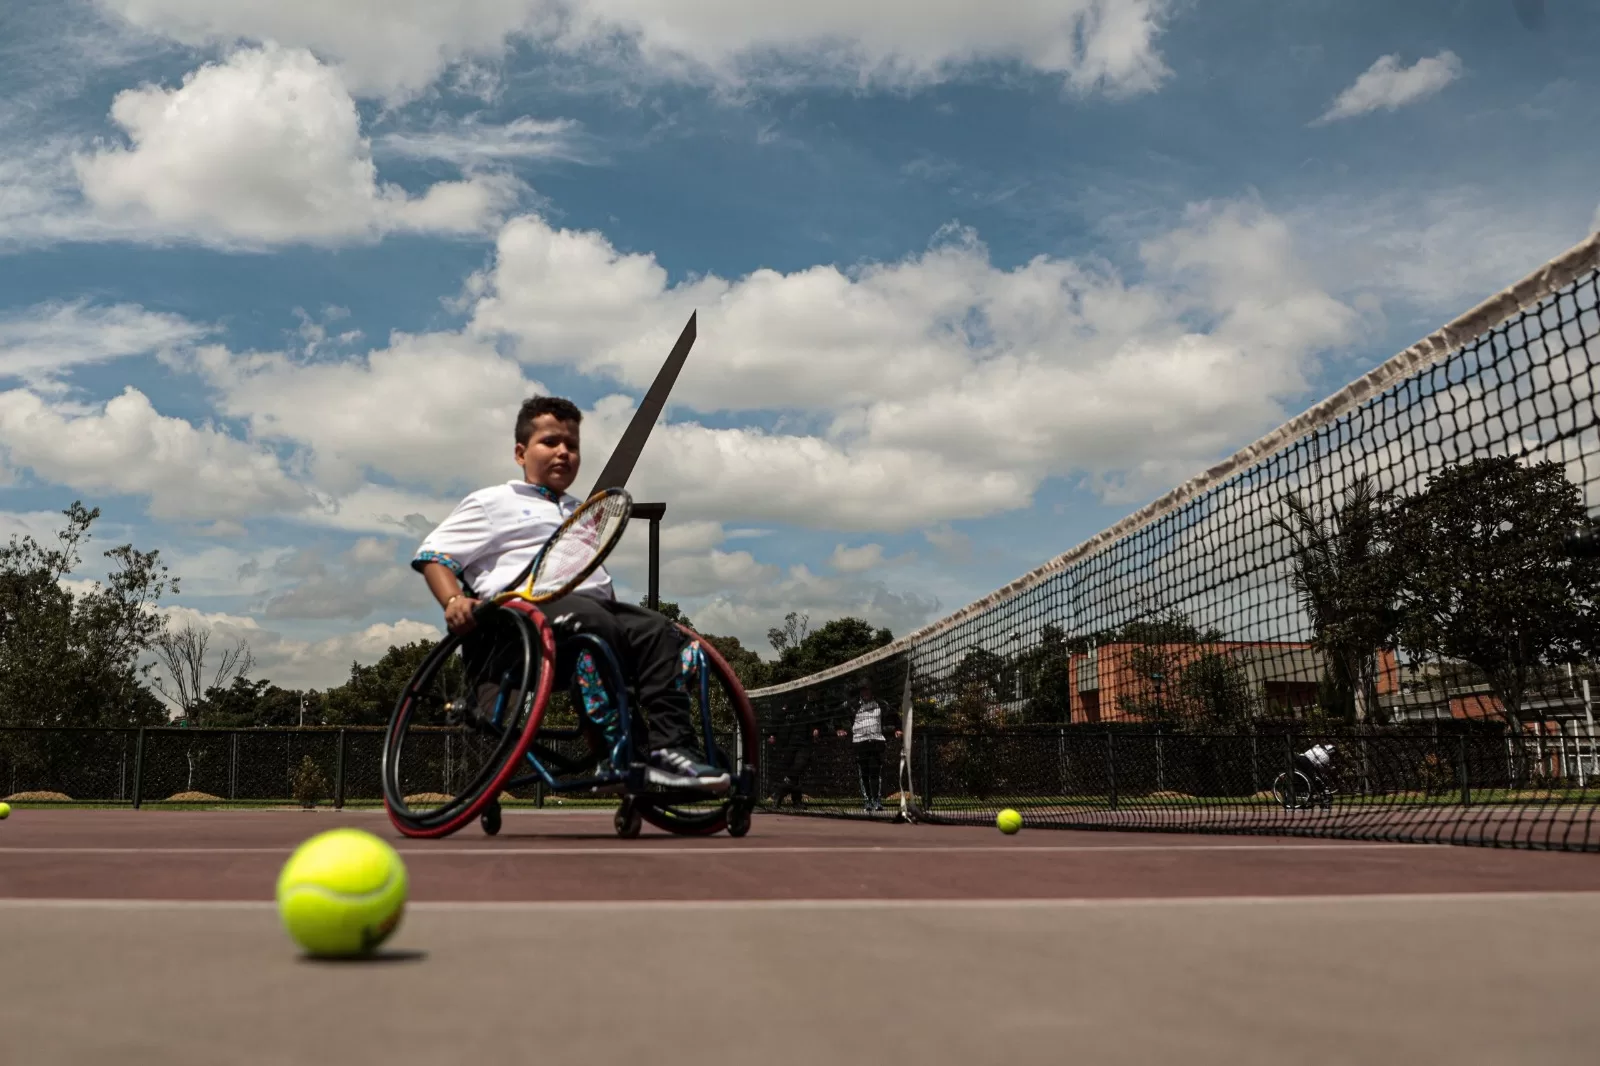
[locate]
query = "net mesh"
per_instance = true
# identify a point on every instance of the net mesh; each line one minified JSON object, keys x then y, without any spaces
{"x":1384,"y":576}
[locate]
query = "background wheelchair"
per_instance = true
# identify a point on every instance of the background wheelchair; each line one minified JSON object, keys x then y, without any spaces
{"x":469,"y":729}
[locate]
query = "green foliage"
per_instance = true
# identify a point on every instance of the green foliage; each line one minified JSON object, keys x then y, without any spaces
{"x":73,"y":658}
{"x":972,"y":756}
{"x":1482,"y":576}
{"x":1216,"y":692}
{"x":1345,"y":577}
{"x":837,"y":642}
{"x":309,"y":783}
{"x":249,"y":704}
{"x":1046,"y":674}
{"x":370,"y":695}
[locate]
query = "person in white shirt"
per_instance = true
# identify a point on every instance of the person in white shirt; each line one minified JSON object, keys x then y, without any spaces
{"x":1316,"y":762}
{"x":869,"y":742}
{"x":488,"y":544}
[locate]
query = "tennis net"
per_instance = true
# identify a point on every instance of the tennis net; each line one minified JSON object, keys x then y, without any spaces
{"x":1373,"y":622}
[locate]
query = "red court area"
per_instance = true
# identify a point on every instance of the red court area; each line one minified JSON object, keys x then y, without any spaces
{"x":150,"y":937}
{"x":573,"y":856}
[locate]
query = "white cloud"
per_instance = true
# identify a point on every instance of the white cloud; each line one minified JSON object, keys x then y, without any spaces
{"x":469,"y":142}
{"x":298,"y":663}
{"x":748,"y":612}
{"x":377,"y":414}
{"x":848,"y":560}
{"x":1388,"y":86}
{"x":39,"y":342}
{"x":263,"y":148}
{"x":945,"y":387}
{"x":126,"y":446}
{"x":397,"y":47}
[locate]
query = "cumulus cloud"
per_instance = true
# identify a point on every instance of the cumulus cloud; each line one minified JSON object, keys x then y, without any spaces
{"x":297,"y":663}
{"x":751,"y":611}
{"x":376,"y":413}
{"x":126,"y":446}
{"x":469,"y":142}
{"x":37,"y":343}
{"x":941,"y":386}
{"x":397,"y":47}
{"x":1388,"y":86}
{"x":262,"y":148}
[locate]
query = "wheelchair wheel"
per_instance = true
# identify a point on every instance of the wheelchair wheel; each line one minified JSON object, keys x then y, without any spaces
{"x":490,"y":818}
{"x":465,"y":720}
{"x":627,"y":821}
{"x":714,"y":814}
{"x":1292,"y":791}
{"x":739,"y":819}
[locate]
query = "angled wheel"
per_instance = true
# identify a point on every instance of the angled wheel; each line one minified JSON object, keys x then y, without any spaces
{"x":1293,"y":791}
{"x":490,"y":818}
{"x":465,"y":720}
{"x":722,"y":699}
{"x":627,"y":821}
{"x":739,"y":819}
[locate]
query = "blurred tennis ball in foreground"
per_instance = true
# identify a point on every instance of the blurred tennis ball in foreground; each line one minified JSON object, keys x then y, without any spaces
{"x":342,"y":893}
{"x":5,"y":811}
{"x":1008,"y":821}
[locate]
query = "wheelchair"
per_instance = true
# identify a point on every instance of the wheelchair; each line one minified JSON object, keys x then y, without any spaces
{"x":468,"y":732}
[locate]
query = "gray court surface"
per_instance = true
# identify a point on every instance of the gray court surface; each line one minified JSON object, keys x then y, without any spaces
{"x":1481,"y":979}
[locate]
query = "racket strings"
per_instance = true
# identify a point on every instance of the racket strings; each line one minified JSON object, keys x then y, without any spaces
{"x":578,"y":545}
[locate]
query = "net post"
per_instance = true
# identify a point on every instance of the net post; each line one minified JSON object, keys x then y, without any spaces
{"x":338,"y":774}
{"x":1111,"y":767}
{"x":654,"y":513}
{"x":1461,"y":762}
{"x":138,"y":770}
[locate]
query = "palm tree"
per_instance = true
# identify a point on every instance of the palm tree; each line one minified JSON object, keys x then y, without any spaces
{"x":1345,"y":583}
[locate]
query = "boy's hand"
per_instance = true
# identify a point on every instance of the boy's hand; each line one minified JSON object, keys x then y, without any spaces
{"x":458,"y":614}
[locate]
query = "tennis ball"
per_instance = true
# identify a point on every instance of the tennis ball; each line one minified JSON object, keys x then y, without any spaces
{"x":1008,"y":821}
{"x":5,"y":811}
{"x":342,"y":893}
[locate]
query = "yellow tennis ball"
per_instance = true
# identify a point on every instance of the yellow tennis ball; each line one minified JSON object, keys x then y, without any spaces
{"x":1008,"y":821}
{"x":5,"y":811}
{"x":342,"y":893}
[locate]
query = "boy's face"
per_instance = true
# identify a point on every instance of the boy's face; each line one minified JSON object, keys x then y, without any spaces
{"x":550,"y":458}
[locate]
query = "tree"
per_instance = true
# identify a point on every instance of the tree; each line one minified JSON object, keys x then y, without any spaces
{"x":370,"y":695}
{"x":1216,"y":693}
{"x":835,"y":643}
{"x":791,"y":634}
{"x":182,"y":655}
{"x":671,"y":611}
{"x":747,"y":666}
{"x":73,"y":658}
{"x":1345,"y":581}
{"x":1483,"y":577}
{"x":1047,"y":678}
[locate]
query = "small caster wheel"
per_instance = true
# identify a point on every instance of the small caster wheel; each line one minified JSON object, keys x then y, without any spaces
{"x":490,"y":818}
{"x":628,"y":821}
{"x":738,"y":819}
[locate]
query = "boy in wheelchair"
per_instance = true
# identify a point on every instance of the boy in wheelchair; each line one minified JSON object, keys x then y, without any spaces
{"x":488,"y":543}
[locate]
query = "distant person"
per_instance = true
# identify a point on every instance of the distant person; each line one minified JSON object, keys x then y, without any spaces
{"x":1316,"y":763}
{"x":867,"y":738}
{"x":790,"y":741}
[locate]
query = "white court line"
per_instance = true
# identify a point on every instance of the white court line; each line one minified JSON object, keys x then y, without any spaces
{"x":731,"y":850}
{"x":614,"y":906}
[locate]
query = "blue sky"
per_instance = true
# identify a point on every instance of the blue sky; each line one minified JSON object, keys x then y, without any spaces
{"x":972,"y":284}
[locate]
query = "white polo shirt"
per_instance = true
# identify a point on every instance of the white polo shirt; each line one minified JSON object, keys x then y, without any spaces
{"x":494,"y":533}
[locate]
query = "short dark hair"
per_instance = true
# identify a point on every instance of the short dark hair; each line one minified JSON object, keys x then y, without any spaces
{"x":534,"y":406}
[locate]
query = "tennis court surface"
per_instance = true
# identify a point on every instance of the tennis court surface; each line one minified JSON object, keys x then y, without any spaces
{"x":150,"y":937}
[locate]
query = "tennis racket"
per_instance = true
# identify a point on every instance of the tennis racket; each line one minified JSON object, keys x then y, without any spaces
{"x":575,"y":550}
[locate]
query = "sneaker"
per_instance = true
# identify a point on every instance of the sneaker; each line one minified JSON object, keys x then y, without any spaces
{"x":676,"y":768}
